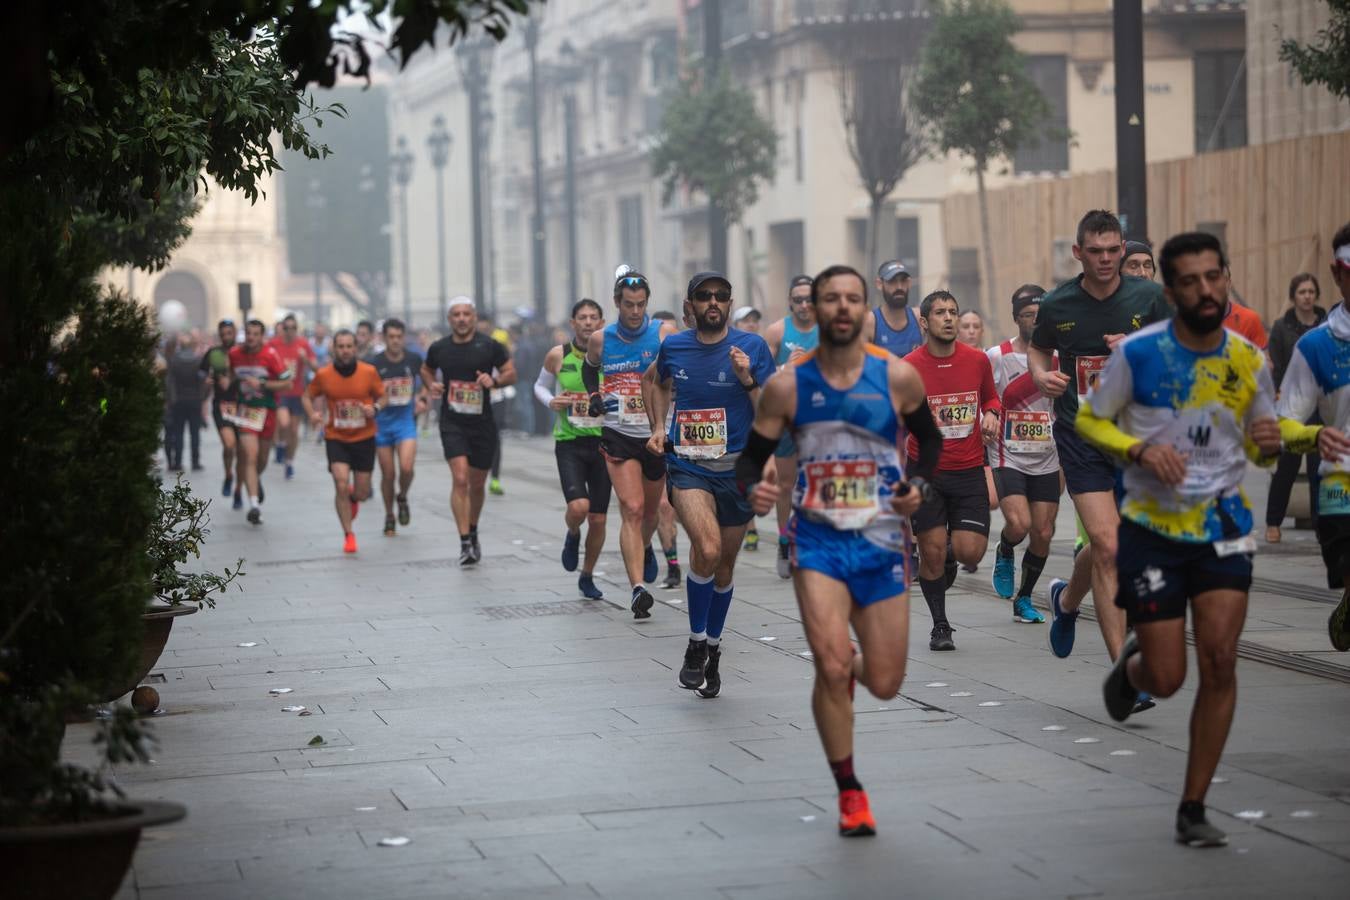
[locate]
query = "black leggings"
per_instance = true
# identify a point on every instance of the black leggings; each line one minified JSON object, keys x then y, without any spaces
{"x":1282,"y":483}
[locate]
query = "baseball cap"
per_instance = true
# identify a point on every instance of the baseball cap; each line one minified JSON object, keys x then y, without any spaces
{"x":703,"y":278}
{"x":892,"y":269}
{"x":745,"y":312}
{"x":799,"y":280}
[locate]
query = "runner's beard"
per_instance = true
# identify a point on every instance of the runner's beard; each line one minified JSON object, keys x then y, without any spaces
{"x":897,"y":299}
{"x":829,"y":336}
{"x":706,"y":327}
{"x":1205,"y":317}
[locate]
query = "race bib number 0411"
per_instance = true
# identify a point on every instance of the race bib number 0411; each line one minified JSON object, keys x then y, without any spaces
{"x":702,"y":433}
{"x":842,"y":493}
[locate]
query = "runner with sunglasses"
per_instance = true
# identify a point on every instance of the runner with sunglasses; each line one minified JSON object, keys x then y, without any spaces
{"x":620,"y":354}
{"x":716,"y":371}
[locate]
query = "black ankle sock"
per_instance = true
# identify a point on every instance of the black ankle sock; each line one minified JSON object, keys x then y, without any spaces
{"x":935,"y":594}
{"x":673,"y":553}
{"x":1032,"y":565}
{"x":473,"y":531}
{"x":1191,"y":811}
{"x":1005,"y":547}
{"x":844,"y":779}
{"x":465,"y":538}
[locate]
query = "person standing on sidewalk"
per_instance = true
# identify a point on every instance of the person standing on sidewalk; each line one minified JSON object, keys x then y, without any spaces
{"x":1303,"y":315}
{"x":185,"y":385}
{"x":1183,"y":404}
{"x":843,"y":403}
{"x":396,"y":424}
{"x":353,"y":394}
{"x":717,"y":372}
{"x":576,"y":446}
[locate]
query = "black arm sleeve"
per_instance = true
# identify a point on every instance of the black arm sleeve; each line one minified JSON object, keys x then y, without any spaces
{"x":590,"y":377}
{"x":920,"y":424}
{"x":750,"y":464}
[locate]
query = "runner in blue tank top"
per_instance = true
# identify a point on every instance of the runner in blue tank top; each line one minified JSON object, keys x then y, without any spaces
{"x":893,"y":325}
{"x":842,"y":403}
{"x":789,"y":339}
{"x":716,"y":372}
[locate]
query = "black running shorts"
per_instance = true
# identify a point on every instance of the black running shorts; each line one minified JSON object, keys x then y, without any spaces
{"x":621,"y":448}
{"x":583,"y":473}
{"x":959,"y":502}
{"x":1009,"y":482}
{"x":1157,"y":575}
{"x":1087,"y":470}
{"x":358,"y":455}
{"x":477,"y":440}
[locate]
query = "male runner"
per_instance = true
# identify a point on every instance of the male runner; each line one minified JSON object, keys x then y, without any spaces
{"x":622,"y":352}
{"x":667,"y":529}
{"x":717,"y":372}
{"x":297,"y":354}
{"x":964,"y":403}
{"x":1026,"y":466}
{"x":576,"y":436}
{"x":746,"y":318}
{"x":458,"y":370}
{"x":1138,"y":260}
{"x":842,"y":403}
{"x":1083,"y":320}
{"x":893,"y":325}
{"x":215,"y":365}
{"x":353,"y":393}
{"x":396,"y":424}
{"x":1318,"y":378}
{"x":789,"y":339}
{"x":365,"y":340}
{"x":1183,"y":404}
{"x":259,"y":374}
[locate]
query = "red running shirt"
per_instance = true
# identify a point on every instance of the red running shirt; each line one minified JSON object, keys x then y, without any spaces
{"x":960,"y":389}
{"x":296,"y":355}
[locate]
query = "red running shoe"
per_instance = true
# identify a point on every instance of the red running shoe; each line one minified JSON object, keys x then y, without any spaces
{"x":349,"y":545}
{"x":855,"y":816}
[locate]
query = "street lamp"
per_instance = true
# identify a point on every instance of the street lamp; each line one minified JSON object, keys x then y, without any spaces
{"x":400,"y":166}
{"x":569,"y":73}
{"x":316,"y":203}
{"x":475,"y":60}
{"x":438,"y":142}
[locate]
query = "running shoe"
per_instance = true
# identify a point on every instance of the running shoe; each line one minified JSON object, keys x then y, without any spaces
{"x":751,"y":542}
{"x":571,"y":551}
{"x":712,"y":679}
{"x":389,"y":528}
{"x":649,"y":567}
{"x":476,"y":547}
{"x":784,"y":559}
{"x":855,"y":815}
{"x":404,"y":512}
{"x":495,"y":487}
{"x":695,"y":661}
{"x":281,"y":453}
{"x":1144,"y":702}
{"x":673,"y":578}
{"x":290,"y":471}
{"x":228,"y":487}
{"x":586,"y":584}
{"x":255,"y":516}
{"x":940,"y":638}
{"x":1338,"y":625}
{"x":466,"y":557}
{"x":262,"y":494}
{"x":642,"y":603}
{"x":1005,"y":570}
{"x":1194,"y":830}
{"x":238,"y":500}
{"x":1062,"y":625}
{"x":349,"y":545}
{"x":1025,"y":613}
{"x":1120,"y":697}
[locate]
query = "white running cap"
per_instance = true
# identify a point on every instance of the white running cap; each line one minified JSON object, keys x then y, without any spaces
{"x":461,"y":300}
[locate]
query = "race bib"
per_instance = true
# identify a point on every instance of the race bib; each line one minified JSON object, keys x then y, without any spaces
{"x":1235,"y":546}
{"x":398,"y":391}
{"x":348,"y":414}
{"x":579,"y":411}
{"x":1333,"y":494}
{"x":954,"y":413}
{"x":464,"y":397}
{"x":702,"y":433}
{"x":1087,"y":370}
{"x":252,"y":418}
{"x":627,"y":387}
{"x":1026,"y":431}
{"x":842,"y":493}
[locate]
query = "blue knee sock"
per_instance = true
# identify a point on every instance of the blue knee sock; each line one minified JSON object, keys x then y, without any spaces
{"x":699,"y":589}
{"x":717,"y":615}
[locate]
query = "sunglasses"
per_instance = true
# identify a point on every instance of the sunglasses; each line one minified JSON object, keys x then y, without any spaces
{"x":703,"y":295}
{"x":799,"y":301}
{"x":631,"y":281}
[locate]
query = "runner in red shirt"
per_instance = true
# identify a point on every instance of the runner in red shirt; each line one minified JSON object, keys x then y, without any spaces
{"x":961,"y":393}
{"x":296,"y":352}
{"x":259,"y":373}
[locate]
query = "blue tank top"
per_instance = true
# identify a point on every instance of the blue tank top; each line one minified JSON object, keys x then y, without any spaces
{"x":796,"y":339}
{"x":898,"y":342}
{"x":848,"y":467}
{"x":621,"y":368}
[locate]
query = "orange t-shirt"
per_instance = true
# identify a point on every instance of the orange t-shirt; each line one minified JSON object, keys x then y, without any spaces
{"x":1243,"y":320}
{"x":346,"y":396}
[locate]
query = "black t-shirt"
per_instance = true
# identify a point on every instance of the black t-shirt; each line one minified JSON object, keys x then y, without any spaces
{"x":457,"y":367}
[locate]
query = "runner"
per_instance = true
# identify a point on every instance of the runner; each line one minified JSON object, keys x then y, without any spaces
{"x":353,"y":395}
{"x":215,"y":366}
{"x":458,"y":370}
{"x":789,"y":339}
{"x":296,"y":352}
{"x":970,"y":329}
{"x":259,"y":374}
{"x":1316,"y":380}
{"x":1183,"y":404}
{"x":1138,"y":260}
{"x":622,"y":352}
{"x":365,"y":340}
{"x":396,"y":424}
{"x":667,"y":529}
{"x":960,"y":385}
{"x":717,"y":371}
{"x":1082,"y":320}
{"x":1026,"y":466}
{"x":893,"y":325}
{"x":576,"y":436}
{"x":841,"y":403}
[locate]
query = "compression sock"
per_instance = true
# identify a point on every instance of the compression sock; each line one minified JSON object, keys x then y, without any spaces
{"x":699,"y":589}
{"x":717,"y":613}
{"x":1031,"y":571}
{"x":1005,"y":547}
{"x":935,"y":594}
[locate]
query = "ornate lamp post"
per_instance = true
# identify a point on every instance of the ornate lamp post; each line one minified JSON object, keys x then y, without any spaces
{"x":400,"y":166}
{"x":475,"y":62}
{"x":438,"y":142}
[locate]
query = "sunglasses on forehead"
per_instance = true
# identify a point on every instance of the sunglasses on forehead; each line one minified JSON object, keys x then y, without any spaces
{"x":703,"y":295}
{"x":631,"y":281}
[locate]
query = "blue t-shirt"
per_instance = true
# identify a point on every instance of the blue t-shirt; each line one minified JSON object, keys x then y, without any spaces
{"x":400,"y":388}
{"x":713,"y":411}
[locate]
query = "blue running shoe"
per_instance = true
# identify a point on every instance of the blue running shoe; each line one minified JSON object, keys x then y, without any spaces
{"x":586,"y":584}
{"x":1064,"y":624}
{"x":281,"y":453}
{"x":649,"y":567}
{"x":238,"y":500}
{"x":570,"y":551}
{"x":1024,"y":612}
{"x":228,"y":487}
{"x":290,"y":471}
{"x":1004,"y":572}
{"x":1145,"y":701}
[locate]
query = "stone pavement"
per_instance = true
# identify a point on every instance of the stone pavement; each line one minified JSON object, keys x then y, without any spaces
{"x":530,"y":744}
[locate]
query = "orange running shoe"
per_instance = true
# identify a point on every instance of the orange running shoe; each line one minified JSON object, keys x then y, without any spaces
{"x":349,"y":545}
{"x":855,"y":816}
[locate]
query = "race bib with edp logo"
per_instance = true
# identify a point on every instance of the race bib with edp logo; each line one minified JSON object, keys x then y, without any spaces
{"x":1026,"y":431}
{"x":842,"y":493}
{"x":579,"y":410}
{"x":1088,"y":369}
{"x":954,"y":413}
{"x":464,"y":397}
{"x":398,"y":391}
{"x":702,"y":433}
{"x":348,"y":414}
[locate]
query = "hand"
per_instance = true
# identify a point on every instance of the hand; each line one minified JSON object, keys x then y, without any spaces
{"x":764,"y":497}
{"x":740,"y":364}
{"x":560,"y":402}
{"x":1052,"y":383}
{"x":796,"y":354}
{"x":368,"y":410}
{"x":251,"y":384}
{"x":419,"y":405}
{"x":485,"y":381}
{"x":437,"y":389}
{"x":1164,"y":462}
{"x":597,"y":407}
{"x":989,"y":423}
{"x":1332,"y":444}
{"x":1265,"y":434}
{"x":1112,"y":340}
{"x":316,"y":421}
{"x":223,"y":382}
{"x":908,"y":502}
{"x":656,"y":444}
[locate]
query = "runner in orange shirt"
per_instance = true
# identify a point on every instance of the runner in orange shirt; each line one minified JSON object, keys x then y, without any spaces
{"x":354,"y":393}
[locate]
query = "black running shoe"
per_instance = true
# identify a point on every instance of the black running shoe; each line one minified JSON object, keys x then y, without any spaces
{"x":255,"y":516}
{"x":262,"y":494}
{"x":649,"y":567}
{"x":389,"y":529}
{"x":712,"y":679}
{"x":673,"y":577}
{"x":1120,"y":697}
{"x":695,"y":661}
{"x":642,"y":603}
{"x":228,"y":487}
{"x":466,"y":557}
{"x":940,"y":638}
{"x":1338,"y":623}
{"x":571,"y":551}
{"x":1194,"y":830}
{"x":404,"y":512}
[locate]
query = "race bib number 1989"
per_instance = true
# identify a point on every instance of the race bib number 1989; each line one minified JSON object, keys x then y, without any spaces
{"x":1026,"y":431}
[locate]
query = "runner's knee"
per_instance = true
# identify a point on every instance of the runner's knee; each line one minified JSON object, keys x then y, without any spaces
{"x":1217,"y":662}
{"x":579,"y":508}
{"x":834,"y":672}
{"x":884,"y":680}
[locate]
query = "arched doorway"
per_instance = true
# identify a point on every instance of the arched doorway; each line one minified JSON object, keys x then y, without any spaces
{"x":188,"y":290}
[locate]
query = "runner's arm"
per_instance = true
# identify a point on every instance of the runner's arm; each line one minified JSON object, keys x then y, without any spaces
{"x":545,"y":386}
{"x":1297,"y":403}
{"x":506,"y":374}
{"x":907,"y":386}
{"x":773,"y":336}
{"x":590,"y":366}
{"x":1096,"y":416}
{"x":771,"y":420}
{"x":655,"y":395}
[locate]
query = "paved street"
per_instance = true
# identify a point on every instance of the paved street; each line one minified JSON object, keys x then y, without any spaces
{"x":532,"y":744}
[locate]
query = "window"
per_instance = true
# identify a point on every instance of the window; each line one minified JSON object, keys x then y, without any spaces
{"x":630,"y":231}
{"x":1220,"y":100}
{"x":1051,"y":153}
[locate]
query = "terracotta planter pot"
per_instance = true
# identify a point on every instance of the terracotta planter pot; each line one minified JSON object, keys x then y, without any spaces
{"x":85,"y":860}
{"x":158,"y":621}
